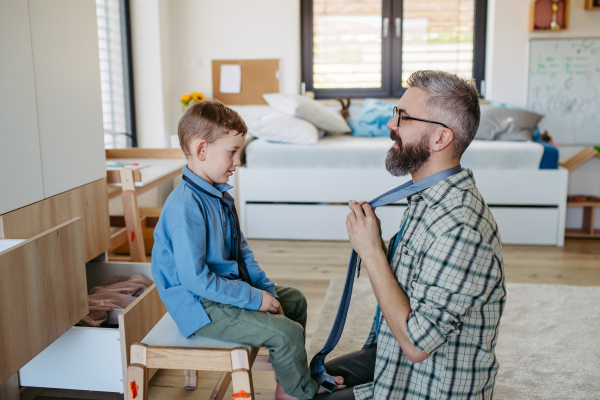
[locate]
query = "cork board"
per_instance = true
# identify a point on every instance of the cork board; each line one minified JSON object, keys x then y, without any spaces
{"x":258,"y":77}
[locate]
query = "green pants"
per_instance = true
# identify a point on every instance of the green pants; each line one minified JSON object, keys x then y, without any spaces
{"x":282,"y":335}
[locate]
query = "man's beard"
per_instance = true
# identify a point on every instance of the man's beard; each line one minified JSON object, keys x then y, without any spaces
{"x":407,"y":158}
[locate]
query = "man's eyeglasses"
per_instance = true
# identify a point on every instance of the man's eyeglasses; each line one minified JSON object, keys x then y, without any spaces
{"x":402,"y":116}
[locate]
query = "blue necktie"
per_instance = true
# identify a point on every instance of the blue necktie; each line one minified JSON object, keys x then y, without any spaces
{"x":317,"y":365}
{"x":234,"y":227}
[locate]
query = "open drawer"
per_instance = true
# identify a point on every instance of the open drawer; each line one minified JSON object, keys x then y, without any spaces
{"x":90,"y":358}
{"x":42,"y":292}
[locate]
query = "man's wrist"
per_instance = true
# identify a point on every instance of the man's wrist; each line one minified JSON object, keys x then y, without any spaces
{"x":376,"y":260}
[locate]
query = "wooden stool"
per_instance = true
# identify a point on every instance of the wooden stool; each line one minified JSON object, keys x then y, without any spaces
{"x":164,"y":347}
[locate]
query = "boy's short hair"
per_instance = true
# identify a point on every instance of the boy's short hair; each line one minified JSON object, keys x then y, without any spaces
{"x":209,"y":120}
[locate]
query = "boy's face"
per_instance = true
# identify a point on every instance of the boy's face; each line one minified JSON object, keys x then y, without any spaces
{"x":219,"y":159}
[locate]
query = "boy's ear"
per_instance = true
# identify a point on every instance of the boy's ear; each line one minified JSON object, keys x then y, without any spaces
{"x":199,"y":149}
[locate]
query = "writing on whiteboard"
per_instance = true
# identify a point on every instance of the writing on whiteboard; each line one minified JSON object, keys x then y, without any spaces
{"x":564,"y":86}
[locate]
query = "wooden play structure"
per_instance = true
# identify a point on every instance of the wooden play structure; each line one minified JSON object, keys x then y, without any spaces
{"x":587,"y":230}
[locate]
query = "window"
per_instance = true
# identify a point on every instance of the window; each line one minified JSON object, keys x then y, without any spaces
{"x":369,"y":48}
{"x":115,"y":73}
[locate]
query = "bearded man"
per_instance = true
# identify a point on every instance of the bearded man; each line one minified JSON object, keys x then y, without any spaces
{"x":441,"y":287}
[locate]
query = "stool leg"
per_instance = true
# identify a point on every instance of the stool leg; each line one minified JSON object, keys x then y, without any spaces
{"x":241,"y":375}
{"x":137,"y":387}
{"x":191,"y":378}
{"x":242,"y":381}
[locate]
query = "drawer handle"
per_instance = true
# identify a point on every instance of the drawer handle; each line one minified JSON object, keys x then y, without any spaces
{"x":133,"y":386}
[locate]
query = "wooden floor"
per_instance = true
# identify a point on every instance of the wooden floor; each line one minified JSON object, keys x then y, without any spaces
{"x":310,"y":265}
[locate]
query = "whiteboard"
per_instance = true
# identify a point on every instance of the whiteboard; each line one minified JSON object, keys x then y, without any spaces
{"x":564,"y":86}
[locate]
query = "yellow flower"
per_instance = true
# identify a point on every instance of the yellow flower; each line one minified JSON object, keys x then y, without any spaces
{"x":197,"y":96}
{"x":186,"y":97}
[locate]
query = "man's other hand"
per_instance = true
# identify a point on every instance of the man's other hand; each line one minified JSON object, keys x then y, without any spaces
{"x":270,"y":304}
{"x":364,"y":230}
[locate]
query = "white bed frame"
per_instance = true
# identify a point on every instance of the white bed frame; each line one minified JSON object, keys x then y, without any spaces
{"x":311,"y":204}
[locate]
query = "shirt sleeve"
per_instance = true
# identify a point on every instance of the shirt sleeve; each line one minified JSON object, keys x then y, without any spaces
{"x":189,"y":250}
{"x":457,"y":272}
{"x":257,"y":275}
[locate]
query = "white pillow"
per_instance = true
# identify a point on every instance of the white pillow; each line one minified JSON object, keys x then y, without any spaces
{"x":278,"y":127}
{"x":309,"y":109}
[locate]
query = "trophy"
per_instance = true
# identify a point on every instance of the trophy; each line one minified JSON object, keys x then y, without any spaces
{"x":554,"y":25}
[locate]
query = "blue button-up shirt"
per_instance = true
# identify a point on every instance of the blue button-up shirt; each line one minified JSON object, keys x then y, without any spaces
{"x":191,"y":257}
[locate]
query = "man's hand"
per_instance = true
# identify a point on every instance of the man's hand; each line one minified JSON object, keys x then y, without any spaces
{"x":270,"y":304}
{"x":364,"y":230}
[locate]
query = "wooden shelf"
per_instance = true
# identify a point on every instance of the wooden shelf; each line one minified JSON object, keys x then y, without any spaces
{"x":587,"y":204}
{"x":540,"y":14}
{"x":587,"y":222}
{"x":582,"y":234}
{"x":589,"y":5}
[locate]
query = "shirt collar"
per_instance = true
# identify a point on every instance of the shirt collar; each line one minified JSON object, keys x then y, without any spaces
{"x":216,"y":190}
{"x":432,"y":196}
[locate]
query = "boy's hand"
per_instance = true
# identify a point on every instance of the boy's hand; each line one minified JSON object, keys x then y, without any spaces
{"x":270,"y":304}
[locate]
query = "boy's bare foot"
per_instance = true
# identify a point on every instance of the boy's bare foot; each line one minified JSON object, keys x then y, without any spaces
{"x":280,"y":394}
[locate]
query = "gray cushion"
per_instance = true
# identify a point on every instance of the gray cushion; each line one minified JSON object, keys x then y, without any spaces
{"x":500,"y":123}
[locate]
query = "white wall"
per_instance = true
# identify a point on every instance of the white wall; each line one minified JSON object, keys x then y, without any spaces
{"x":175,"y":41}
{"x":148,"y":77}
{"x":507,"y":62}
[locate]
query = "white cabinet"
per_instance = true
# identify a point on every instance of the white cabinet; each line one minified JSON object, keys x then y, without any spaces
{"x":51,"y":129}
{"x":20,"y":167}
{"x":64,"y":42}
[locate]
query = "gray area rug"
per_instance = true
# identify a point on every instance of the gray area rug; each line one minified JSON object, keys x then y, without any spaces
{"x":548,"y":348}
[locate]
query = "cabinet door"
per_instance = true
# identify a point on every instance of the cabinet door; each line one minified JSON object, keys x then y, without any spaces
{"x":20,"y":168}
{"x":64,"y":41}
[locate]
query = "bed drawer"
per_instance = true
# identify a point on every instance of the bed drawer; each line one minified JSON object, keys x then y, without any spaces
{"x":42,"y":293}
{"x":311,"y":222}
{"x":88,"y":358}
{"x":527,"y":225}
{"x":517,"y":225}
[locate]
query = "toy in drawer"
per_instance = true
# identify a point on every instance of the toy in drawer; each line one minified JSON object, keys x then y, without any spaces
{"x":95,"y":358}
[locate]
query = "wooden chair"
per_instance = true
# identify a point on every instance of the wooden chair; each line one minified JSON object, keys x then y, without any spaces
{"x":164,"y":347}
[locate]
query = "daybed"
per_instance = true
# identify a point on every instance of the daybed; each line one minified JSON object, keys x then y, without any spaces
{"x":301,"y":191}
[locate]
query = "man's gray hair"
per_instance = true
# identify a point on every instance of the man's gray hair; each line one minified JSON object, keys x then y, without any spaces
{"x":452,"y":101}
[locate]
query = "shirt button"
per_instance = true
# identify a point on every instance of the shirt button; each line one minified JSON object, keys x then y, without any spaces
{"x":224,"y":223}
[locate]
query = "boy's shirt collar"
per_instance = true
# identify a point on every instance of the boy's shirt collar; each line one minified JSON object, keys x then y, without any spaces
{"x":217,"y":189}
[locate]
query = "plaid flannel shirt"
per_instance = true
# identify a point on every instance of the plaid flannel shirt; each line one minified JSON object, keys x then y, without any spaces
{"x":449,"y":263}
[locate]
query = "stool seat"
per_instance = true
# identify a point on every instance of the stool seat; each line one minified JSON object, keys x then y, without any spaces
{"x":165,"y":333}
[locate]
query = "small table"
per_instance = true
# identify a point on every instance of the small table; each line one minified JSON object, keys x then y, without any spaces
{"x":162,"y":165}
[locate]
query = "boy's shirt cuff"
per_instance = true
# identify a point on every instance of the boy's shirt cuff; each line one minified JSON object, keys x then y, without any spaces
{"x":255,"y":299}
{"x":271,"y":291}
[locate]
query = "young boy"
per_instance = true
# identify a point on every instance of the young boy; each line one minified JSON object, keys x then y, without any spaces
{"x":204,"y":269}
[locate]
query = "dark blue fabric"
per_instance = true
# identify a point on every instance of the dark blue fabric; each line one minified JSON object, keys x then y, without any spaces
{"x":390,"y":255}
{"x":550,"y":156}
{"x":317,"y":364}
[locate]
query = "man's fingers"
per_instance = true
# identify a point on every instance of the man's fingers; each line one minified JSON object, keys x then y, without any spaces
{"x":351,"y":218}
{"x":368,"y":210}
{"x":357,"y":210}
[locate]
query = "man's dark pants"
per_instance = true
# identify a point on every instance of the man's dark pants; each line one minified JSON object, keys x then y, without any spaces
{"x":356,"y":368}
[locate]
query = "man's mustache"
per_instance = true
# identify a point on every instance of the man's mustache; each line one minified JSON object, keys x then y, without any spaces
{"x":396,"y":138}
